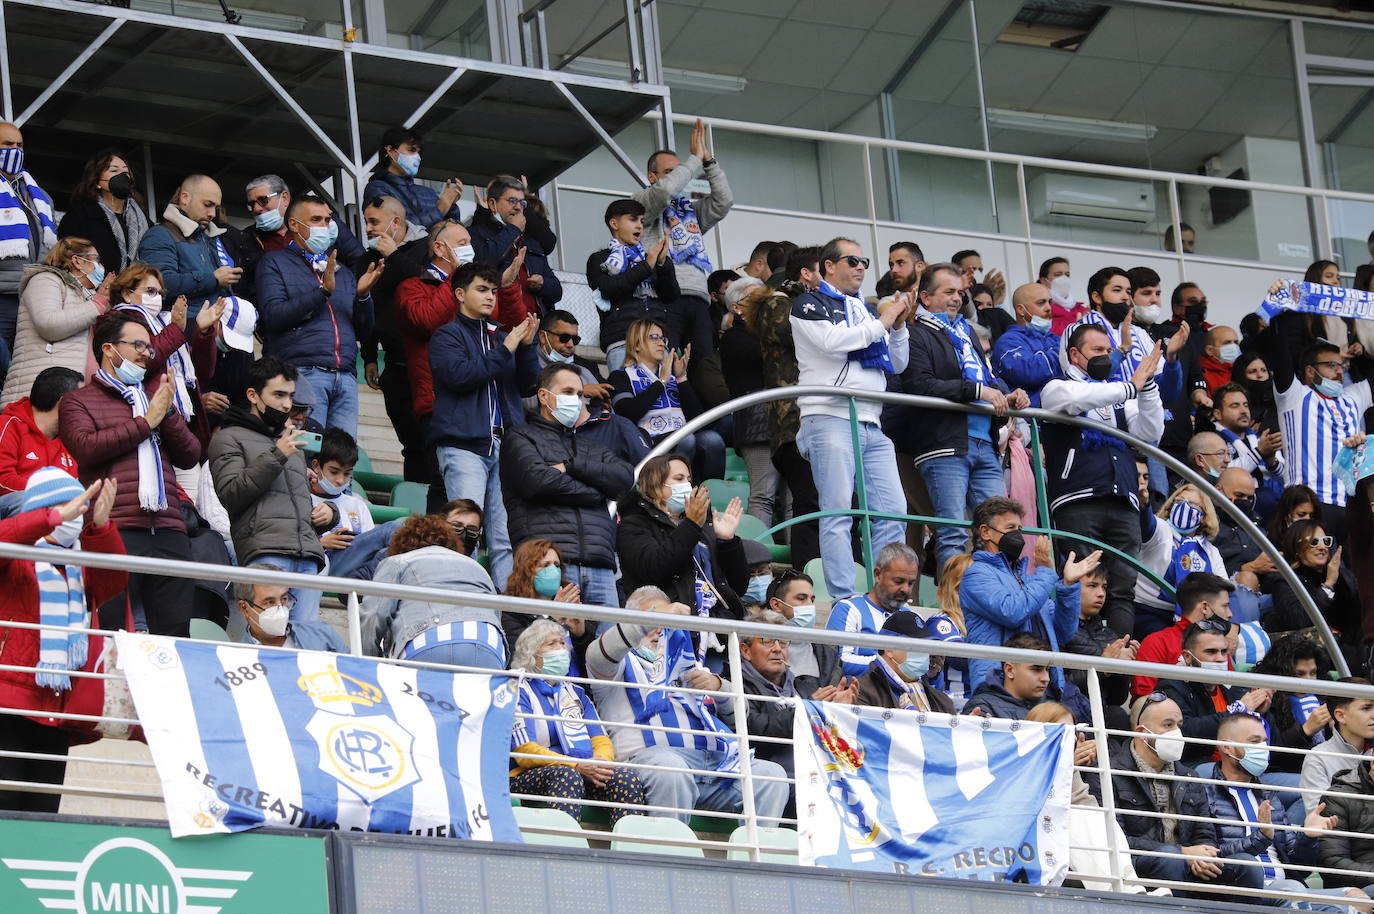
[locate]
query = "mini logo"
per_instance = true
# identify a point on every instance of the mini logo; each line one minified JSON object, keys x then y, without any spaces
{"x":330,"y":687}
{"x":369,"y":755}
{"x":127,"y":875}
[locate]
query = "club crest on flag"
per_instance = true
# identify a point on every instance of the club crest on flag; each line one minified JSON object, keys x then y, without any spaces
{"x":369,"y":755}
{"x":331,"y":686}
{"x":847,"y":756}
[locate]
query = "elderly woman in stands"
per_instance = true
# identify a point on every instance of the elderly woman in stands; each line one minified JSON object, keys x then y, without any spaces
{"x":559,"y":747}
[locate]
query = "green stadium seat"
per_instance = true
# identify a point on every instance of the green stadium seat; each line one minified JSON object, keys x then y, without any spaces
{"x":534,"y":817}
{"x":736,"y":470}
{"x":412,"y":496}
{"x":205,"y":630}
{"x":380,"y":513}
{"x":655,"y":827}
{"x":783,"y":839}
{"x":723,"y":490}
{"x":365,"y":478}
{"x":816,"y":571}
{"x":751,"y":528}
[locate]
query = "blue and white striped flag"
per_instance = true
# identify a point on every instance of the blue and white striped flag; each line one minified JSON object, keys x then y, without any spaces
{"x":244,"y":737}
{"x":903,"y":791}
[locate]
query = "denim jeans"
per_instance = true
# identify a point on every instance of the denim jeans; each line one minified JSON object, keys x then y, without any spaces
{"x":705,"y":791}
{"x":332,"y":395}
{"x":826,"y":442}
{"x":597,"y":584}
{"x":956,"y":486}
{"x":478,"y":477}
{"x":359,"y":558}
{"x":462,"y":653}
{"x":307,"y":608}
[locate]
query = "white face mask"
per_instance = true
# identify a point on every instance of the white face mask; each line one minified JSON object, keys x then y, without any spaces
{"x":1169,"y":745}
{"x":803,"y":616}
{"x":272,"y":621}
{"x":1062,"y":287}
{"x":152,"y":300}
{"x":68,"y":532}
{"x":1147,"y":314}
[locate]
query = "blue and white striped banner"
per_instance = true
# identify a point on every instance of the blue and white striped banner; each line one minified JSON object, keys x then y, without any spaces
{"x":244,"y":737}
{"x":1315,"y":298}
{"x":900,"y":791}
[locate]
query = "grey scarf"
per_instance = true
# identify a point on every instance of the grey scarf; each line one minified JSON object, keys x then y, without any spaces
{"x":134,"y":218}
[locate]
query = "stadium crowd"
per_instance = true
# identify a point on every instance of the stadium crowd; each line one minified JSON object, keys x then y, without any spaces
{"x":186,"y":388}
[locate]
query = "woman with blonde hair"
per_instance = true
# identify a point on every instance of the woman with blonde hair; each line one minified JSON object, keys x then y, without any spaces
{"x":948,"y":625}
{"x":59,"y":301}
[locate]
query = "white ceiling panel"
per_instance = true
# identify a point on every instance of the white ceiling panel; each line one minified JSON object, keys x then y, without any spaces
{"x":1175,"y":97}
{"x":850,"y":13}
{"x":716,"y":41}
{"x":1203,"y":47}
{"x":1091,"y":87}
{"x":939,"y":71}
{"x":1136,"y":33}
{"x":1015,"y":76}
{"x":804,"y":67}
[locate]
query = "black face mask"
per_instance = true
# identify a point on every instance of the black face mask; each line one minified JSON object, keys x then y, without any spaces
{"x":1099,"y":367}
{"x":1115,"y":311}
{"x":1011,"y":545}
{"x":122,"y":186}
{"x":275,"y":418}
{"x":1195,"y":314}
{"x":1246,"y":503}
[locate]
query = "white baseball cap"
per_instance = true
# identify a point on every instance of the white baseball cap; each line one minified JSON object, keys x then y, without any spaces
{"x":239,"y":320}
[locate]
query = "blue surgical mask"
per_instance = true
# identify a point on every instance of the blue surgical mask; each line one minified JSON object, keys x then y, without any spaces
{"x":1043,"y":324}
{"x":1255,"y":760}
{"x":130,"y":372}
{"x":269,"y":220}
{"x":1230,"y":352}
{"x":322,"y":237}
{"x":555,"y":663}
{"x":409,"y":162}
{"x":328,"y":487}
{"x":647,"y":653}
{"x":803,"y":616}
{"x":547,"y":580}
{"x":97,"y":274}
{"x":1330,"y":387}
{"x":915,"y":666}
{"x":567,"y":409}
{"x":1185,"y":517}
{"x":464,"y":253}
{"x":677,"y":501}
{"x":758,"y":588}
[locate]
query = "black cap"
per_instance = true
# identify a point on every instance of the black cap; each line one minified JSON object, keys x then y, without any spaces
{"x":905,"y":623}
{"x":756,"y":553}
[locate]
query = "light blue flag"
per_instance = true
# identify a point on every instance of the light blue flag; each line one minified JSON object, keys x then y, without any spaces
{"x":243,"y":737}
{"x":900,"y":791}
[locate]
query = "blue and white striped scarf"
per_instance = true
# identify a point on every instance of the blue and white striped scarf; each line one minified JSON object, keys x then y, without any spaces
{"x":876,"y":354}
{"x":665,"y":416}
{"x":680,"y":656}
{"x":152,"y":490}
{"x":622,"y":257}
{"x":14,"y":219}
{"x":564,"y":700}
{"x":1315,"y":298}
{"x":182,"y":370}
{"x":973,"y":367}
{"x":1303,"y":707}
{"x":61,"y":608}
{"x":1248,"y":808}
{"x":684,"y":234}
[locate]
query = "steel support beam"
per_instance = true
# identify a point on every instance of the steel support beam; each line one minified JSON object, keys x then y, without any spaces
{"x":424,"y":108}
{"x":606,"y":139}
{"x":1307,"y":141}
{"x":61,"y":80}
{"x":6,"y":90}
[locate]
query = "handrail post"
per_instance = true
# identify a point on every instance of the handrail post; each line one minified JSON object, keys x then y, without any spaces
{"x":355,"y":625}
{"x":861,"y":489}
{"x":746,"y":761}
{"x":1104,"y":773}
{"x":1042,"y":498}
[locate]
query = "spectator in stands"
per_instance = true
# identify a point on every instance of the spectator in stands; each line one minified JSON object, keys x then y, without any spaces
{"x":1027,"y":353}
{"x":1175,"y":543}
{"x":1185,"y":232}
{"x":902,"y":679}
{"x":741,"y":359}
{"x":26,"y":213}
{"x":538,"y":573}
{"x":1200,"y":595}
{"x":792,"y":595}
{"x":1298,"y":658}
{"x":1350,"y":815}
{"x":632,"y":283}
{"x":29,"y":427}
{"x":1309,"y":549}
{"x":312,"y":311}
{"x":1156,"y":750}
{"x":955,"y":452}
{"x":1208,"y":455}
{"x":1352,"y":734}
{"x":1064,"y":310}
{"x":674,"y":215}
{"x":268,"y":199}
{"x":57,"y":514}
{"x":906,"y":264}
{"x":114,"y":428}
{"x":350,"y":538}
{"x":1095,"y":638}
{"x":651,"y":661}
{"x":1296,"y":502}
{"x":507,"y":227}
{"x":187,"y":247}
{"x":1240,"y":553}
{"x":991,"y":317}
{"x":770,"y":317}
{"x":559,"y":338}
{"x":464,"y":517}
{"x":1205,"y":647}
{"x":716,"y":284}
{"x":1219,"y":354}
{"x":59,"y":301}
{"x":403,"y":249}
{"x":670,"y":538}
{"x":1255,"y":453}
{"x":653,"y":390}
{"x":1092,"y":477}
{"x":896,"y":574}
{"x":841,"y":344}
{"x":568,"y":752}
{"x":1015,"y":688}
{"x":266,"y":608}
{"x":259,"y":472}
{"x":1251,"y":371}
{"x":426,"y":552}
{"x":949,"y":624}
{"x":558,"y":485}
{"x":107,"y":208}
{"x":1109,"y":291}
{"x":1000,"y":596}
{"x":970,"y":264}
{"x":398,"y":162}
{"x":480,"y":376}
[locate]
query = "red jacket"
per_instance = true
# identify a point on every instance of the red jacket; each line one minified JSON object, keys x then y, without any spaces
{"x":23,"y":448}
{"x":19,"y":603}
{"x":1215,"y":372}
{"x":423,"y":304}
{"x":102,"y":433}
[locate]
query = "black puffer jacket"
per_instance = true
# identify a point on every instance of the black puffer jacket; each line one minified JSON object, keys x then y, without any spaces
{"x":569,"y":507}
{"x":1354,"y":816}
{"x":741,"y":358}
{"x":655,"y":550}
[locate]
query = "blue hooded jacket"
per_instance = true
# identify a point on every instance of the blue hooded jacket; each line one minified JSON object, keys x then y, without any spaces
{"x":1026,"y":358}
{"x":998,"y":603}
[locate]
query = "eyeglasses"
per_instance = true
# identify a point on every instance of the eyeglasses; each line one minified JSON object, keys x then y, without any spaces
{"x":466,"y":530}
{"x":855,"y":262}
{"x":288,"y":600}
{"x":140,"y":347}
{"x":656,"y":337}
{"x":574,"y":338}
{"x":770,"y":642}
{"x":1219,"y":626}
{"x":265,"y":200}
{"x":1322,"y":541}
{"x":1335,"y":364}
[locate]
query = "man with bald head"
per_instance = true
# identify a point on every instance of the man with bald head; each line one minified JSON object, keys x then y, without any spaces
{"x":1244,"y":560}
{"x":1222,"y":348}
{"x":188,"y":248}
{"x":1027,"y":354}
{"x":27,"y":228}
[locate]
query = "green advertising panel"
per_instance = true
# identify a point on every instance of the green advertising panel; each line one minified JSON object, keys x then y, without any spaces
{"x":96,"y":869}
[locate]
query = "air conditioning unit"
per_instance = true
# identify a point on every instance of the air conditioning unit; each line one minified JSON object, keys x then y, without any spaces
{"x":1086,"y":200}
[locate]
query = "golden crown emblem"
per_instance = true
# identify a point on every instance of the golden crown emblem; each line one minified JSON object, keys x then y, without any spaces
{"x":848,"y":757}
{"x":332,"y":686}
